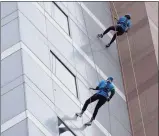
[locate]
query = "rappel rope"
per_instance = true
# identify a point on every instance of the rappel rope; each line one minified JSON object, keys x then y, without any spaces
{"x":95,"y":68}
{"x":50,"y":60}
{"x":78,"y":87}
{"x":113,"y":18}
{"x":85,"y":64}
{"x":51,"y":66}
{"x":91,"y":50}
{"x":133,"y":73}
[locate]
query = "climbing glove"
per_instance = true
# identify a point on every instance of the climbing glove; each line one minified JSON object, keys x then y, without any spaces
{"x":108,"y":99}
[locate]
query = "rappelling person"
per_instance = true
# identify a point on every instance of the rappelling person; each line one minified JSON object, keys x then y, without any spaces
{"x":104,"y":88}
{"x":123,"y":25}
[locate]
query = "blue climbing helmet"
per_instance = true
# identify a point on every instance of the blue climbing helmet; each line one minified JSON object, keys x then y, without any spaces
{"x":128,"y":16}
{"x":110,"y":78}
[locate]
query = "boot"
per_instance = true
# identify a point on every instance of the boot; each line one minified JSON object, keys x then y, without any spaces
{"x":79,"y":114}
{"x":108,"y":45}
{"x":89,"y":123}
{"x":100,"y":36}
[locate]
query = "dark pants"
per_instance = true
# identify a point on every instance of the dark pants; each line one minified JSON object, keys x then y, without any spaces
{"x":114,"y":28}
{"x":95,"y":97}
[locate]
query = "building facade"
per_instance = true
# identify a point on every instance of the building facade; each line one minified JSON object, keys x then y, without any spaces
{"x":50,"y":56}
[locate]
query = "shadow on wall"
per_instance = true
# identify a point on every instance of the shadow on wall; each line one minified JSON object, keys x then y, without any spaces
{"x":65,"y":118}
{"x":52,"y":126}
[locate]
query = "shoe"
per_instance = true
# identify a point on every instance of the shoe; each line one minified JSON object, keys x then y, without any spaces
{"x":88,"y":123}
{"x":100,"y":36}
{"x":108,"y":45}
{"x":78,"y":114}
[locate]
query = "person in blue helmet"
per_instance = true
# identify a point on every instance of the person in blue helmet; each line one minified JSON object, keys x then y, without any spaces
{"x":123,"y":25}
{"x":104,"y":88}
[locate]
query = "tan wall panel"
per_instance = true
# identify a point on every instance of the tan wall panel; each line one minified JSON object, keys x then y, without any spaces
{"x":145,"y":67}
{"x":129,"y":78}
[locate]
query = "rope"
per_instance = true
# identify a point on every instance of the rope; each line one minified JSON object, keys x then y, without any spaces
{"x":91,"y":49}
{"x":97,"y":71}
{"x":92,"y":56}
{"x":51,"y":61}
{"x":119,"y":53}
{"x":77,"y":83}
{"x":108,"y":103}
{"x":85,"y":65}
{"x":51,"y":67}
{"x":133,"y":73}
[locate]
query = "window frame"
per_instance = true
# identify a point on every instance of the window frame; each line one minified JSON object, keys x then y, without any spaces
{"x":59,"y":119}
{"x":52,"y":53}
{"x":68,"y":24}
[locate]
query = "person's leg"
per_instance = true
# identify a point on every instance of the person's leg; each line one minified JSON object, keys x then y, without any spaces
{"x":87,"y":102}
{"x":106,"y":31}
{"x":112,"y":40}
{"x":114,"y":37}
{"x":101,"y":101}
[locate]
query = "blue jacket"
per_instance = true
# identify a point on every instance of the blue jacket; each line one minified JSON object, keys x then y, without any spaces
{"x":124,"y":23}
{"x":105,"y":87}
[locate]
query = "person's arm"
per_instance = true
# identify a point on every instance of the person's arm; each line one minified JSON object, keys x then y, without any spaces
{"x":112,"y":94}
{"x":128,"y":26}
{"x":97,"y":88}
{"x":119,"y":20}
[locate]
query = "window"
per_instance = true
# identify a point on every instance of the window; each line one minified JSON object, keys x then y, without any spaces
{"x":64,"y":130}
{"x":61,"y":18}
{"x":64,"y":74}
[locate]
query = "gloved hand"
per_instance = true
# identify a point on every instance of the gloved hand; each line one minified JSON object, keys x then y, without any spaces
{"x":100,"y":35}
{"x":108,"y":99}
{"x":91,"y":88}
